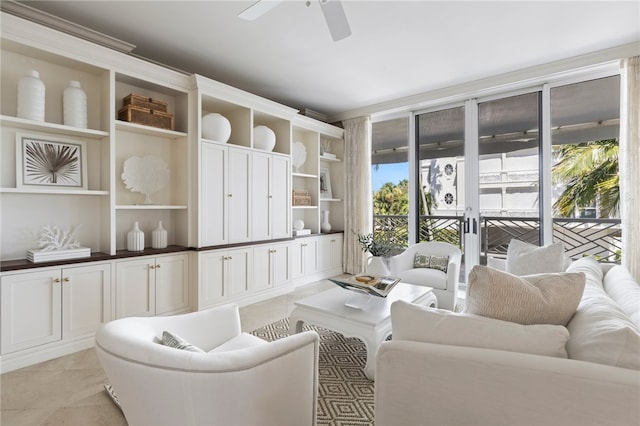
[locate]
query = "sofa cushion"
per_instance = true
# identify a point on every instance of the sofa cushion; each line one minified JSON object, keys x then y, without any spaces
{"x":424,"y":276}
{"x":625,"y":291}
{"x":602,"y":332}
{"x":175,"y":341}
{"x":440,"y":263}
{"x":422,"y":324}
{"x":526,"y":259}
{"x":590,"y":268}
{"x":530,"y":299}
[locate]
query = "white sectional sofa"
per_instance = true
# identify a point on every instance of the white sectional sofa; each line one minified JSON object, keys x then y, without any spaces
{"x":443,"y":368}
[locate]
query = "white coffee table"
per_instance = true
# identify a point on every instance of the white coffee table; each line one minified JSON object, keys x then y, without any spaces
{"x":371,"y":324}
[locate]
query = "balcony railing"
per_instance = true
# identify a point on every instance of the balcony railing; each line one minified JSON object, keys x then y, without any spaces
{"x":601,"y":238}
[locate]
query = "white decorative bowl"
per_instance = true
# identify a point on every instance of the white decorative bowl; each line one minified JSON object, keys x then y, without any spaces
{"x":264,"y":138}
{"x":216,"y":127}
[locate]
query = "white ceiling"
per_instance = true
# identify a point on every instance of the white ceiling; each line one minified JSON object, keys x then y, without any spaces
{"x":397,"y":49}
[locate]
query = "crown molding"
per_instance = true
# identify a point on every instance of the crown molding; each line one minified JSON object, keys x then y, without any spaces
{"x":26,"y":12}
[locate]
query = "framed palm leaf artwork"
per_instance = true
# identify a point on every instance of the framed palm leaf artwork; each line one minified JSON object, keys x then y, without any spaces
{"x":43,"y":161}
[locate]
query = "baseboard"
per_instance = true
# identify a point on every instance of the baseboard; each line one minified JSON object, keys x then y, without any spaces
{"x":27,"y":357}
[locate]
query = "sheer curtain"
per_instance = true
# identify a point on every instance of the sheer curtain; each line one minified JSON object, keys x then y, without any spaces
{"x":358,"y":198}
{"x":629,"y":163}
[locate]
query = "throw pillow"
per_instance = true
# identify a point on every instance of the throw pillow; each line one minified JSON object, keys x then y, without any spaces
{"x":526,"y":259}
{"x":530,"y":299}
{"x":440,"y":263}
{"x":419,"y":323}
{"x":174,"y":341}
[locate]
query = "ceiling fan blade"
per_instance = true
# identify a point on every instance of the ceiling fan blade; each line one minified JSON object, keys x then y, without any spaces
{"x":258,"y":9}
{"x":336,"y":19}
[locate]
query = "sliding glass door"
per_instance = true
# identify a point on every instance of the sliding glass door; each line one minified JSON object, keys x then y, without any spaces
{"x":508,"y":180}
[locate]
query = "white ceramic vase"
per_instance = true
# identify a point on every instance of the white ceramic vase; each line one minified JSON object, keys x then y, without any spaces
{"x":31,"y":96}
{"x":325,"y":226}
{"x":159,"y":237}
{"x":74,"y":105}
{"x":216,"y":127}
{"x":264,"y":138}
{"x":377,"y":266}
{"x":135,"y":238}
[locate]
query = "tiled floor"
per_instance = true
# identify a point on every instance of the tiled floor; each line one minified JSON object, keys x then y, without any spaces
{"x":69,"y":390}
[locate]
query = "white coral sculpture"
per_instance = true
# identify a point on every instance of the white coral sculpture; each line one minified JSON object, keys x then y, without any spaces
{"x":53,"y":238}
{"x":325,"y":146}
{"x":146,"y":175}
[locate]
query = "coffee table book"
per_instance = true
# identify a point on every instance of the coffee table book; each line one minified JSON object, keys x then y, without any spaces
{"x":374,"y":285}
{"x":42,"y":255}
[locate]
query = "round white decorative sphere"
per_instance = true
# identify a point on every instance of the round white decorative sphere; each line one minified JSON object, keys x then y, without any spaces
{"x":298,"y":224}
{"x":264,"y":138}
{"x":216,"y":127}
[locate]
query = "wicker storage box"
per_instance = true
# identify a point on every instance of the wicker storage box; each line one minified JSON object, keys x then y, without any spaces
{"x":145,"y":102}
{"x":301,"y":198}
{"x":146,"y":116}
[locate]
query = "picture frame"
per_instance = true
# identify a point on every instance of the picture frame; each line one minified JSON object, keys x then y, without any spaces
{"x":50,"y":162}
{"x":325,"y":184}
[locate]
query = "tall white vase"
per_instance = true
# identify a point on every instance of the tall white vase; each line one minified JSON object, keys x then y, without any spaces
{"x":159,"y":237}
{"x":31,"y":96}
{"x":325,"y":226}
{"x":74,"y":105}
{"x":135,"y":238}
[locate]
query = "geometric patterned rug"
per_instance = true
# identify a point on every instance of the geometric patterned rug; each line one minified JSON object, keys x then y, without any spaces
{"x":345,"y":395}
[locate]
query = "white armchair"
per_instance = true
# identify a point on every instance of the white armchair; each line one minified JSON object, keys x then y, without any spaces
{"x":239,"y":380}
{"x":445,"y":285}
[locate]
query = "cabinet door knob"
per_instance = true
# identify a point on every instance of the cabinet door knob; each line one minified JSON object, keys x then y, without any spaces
{"x":229,"y":195}
{"x":56,"y":280}
{"x":270,"y":196}
{"x":152,"y":266}
{"x":158,"y":266}
{"x":66,"y":279}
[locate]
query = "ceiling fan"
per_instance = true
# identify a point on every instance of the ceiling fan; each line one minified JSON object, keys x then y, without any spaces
{"x":332,"y":9}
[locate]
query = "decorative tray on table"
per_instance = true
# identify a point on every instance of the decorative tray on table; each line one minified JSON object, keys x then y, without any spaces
{"x":370,"y":284}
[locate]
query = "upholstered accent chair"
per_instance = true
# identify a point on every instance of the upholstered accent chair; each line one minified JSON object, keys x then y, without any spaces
{"x":437,"y":266}
{"x":236,"y":378}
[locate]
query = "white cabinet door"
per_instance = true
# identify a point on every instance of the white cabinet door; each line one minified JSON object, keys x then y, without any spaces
{"x":261,"y":216}
{"x":239,"y":196}
{"x":304,"y":254}
{"x":213,"y":195}
{"x":262,"y":268}
{"x":172,"y":283}
{"x":237,"y":271}
{"x":311,"y":256}
{"x":31,"y":309}
{"x":271,"y":266}
{"x":135,"y":287}
{"x":86,"y":299}
{"x":297,"y":259}
{"x":330,"y":252}
{"x":336,"y":251}
{"x":281,"y":264}
{"x":280,"y":197}
{"x":224,"y":274}
{"x":211,"y":288}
